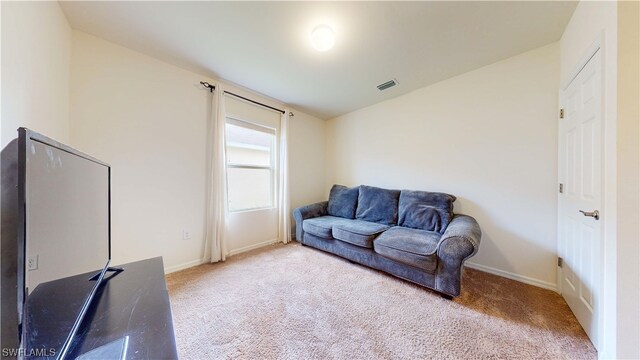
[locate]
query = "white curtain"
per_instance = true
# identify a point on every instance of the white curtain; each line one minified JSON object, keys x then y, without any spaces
{"x":216,"y":185}
{"x":284,"y":217}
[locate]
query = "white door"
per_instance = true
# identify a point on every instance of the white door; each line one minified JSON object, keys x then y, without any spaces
{"x":580,"y":223}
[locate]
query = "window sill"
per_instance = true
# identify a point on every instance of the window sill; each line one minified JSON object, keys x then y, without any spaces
{"x":252,"y":210}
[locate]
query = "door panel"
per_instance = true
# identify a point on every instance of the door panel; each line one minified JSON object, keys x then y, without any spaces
{"x":580,"y":158}
{"x":586,"y":264}
{"x":588,"y":191}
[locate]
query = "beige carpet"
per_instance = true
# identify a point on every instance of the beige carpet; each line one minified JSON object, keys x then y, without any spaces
{"x":294,"y":302}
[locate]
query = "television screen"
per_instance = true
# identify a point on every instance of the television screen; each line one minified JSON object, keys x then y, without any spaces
{"x":66,"y":240}
{"x":67,"y":215}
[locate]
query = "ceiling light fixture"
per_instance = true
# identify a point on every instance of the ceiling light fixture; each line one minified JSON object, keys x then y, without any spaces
{"x":323,"y":38}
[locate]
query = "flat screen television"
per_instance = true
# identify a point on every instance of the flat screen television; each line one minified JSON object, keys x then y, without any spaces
{"x":56,"y":210}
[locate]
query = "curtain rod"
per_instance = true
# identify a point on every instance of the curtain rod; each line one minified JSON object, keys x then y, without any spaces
{"x":212,"y":87}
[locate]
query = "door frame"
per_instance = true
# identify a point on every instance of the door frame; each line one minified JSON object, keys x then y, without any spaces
{"x":600,"y":293}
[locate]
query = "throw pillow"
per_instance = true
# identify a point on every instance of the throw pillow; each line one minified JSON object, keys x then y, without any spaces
{"x":426,"y":210}
{"x":378,"y":205}
{"x":343,"y":201}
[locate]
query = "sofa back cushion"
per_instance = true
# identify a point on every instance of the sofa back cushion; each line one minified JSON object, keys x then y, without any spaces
{"x":378,"y":205}
{"x":343,"y":201}
{"x":425,"y":210}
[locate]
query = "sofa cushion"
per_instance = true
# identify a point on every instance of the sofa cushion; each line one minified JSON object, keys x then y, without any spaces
{"x":409,"y":246}
{"x":378,"y":205}
{"x":358,"y":232}
{"x":424,"y":210}
{"x":321,"y":226}
{"x":343,"y":201}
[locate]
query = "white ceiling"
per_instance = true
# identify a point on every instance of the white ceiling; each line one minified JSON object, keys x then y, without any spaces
{"x":265,"y":46}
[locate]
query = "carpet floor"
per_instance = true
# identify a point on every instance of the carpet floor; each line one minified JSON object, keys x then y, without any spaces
{"x":294,"y":302}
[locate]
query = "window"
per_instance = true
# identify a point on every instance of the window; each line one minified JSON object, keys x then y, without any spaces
{"x":250,"y":165}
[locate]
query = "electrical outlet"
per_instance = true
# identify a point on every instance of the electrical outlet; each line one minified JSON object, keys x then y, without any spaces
{"x":32,"y":262}
{"x":186,"y":234}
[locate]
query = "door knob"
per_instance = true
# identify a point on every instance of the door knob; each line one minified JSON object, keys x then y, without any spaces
{"x":594,"y":214}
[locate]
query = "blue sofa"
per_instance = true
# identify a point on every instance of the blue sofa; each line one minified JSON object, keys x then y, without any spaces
{"x":413,"y":235}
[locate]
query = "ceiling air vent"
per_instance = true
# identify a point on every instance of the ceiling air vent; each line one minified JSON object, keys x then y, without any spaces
{"x":388,"y":84}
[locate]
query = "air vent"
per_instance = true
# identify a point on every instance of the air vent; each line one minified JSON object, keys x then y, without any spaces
{"x":388,"y":84}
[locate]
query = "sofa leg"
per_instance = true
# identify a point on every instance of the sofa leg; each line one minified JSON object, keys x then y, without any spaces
{"x":445,"y":296}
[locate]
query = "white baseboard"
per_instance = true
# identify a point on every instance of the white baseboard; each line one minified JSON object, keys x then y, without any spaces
{"x":170,"y":269}
{"x":517,"y":277}
{"x":251,"y":247}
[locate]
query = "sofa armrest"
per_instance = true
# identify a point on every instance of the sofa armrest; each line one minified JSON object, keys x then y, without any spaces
{"x":462,"y":227}
{"x":459,"y":242}
{"x":307,"y":212}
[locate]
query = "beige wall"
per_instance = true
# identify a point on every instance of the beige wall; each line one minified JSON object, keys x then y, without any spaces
{"x":307,"y":164}
{"x":36,"y":46}
{"x":148,"y":119}
{"x":628,"y":181}
{"x":489,"y":137}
